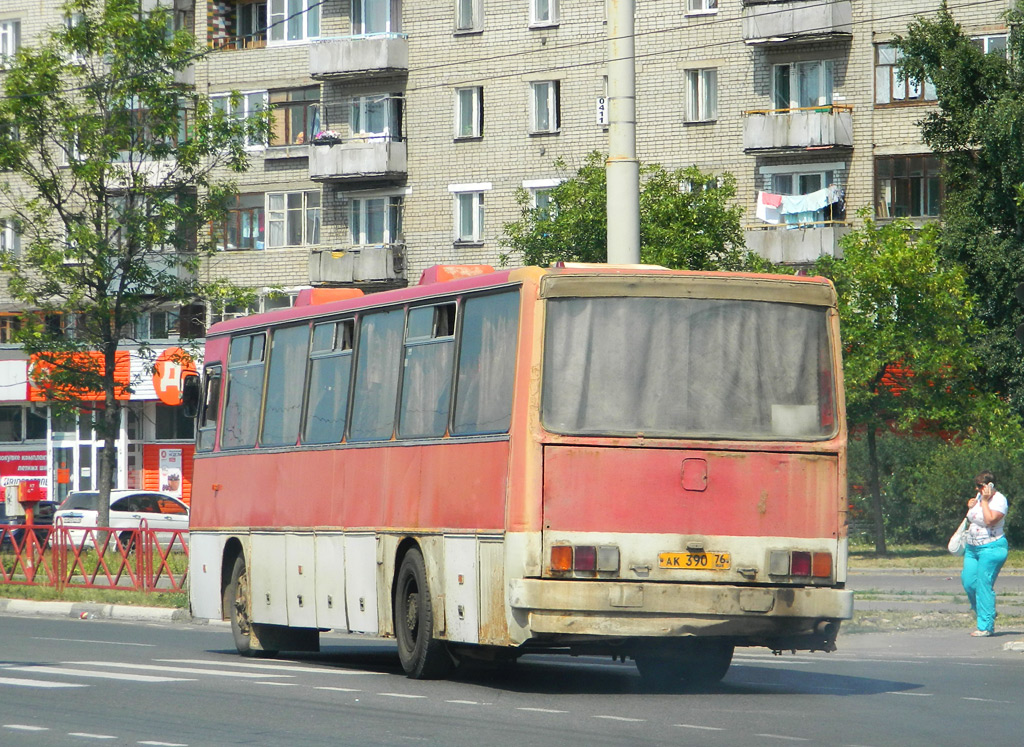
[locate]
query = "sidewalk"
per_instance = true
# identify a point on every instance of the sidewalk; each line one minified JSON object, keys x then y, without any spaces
{"x":89,"y":611}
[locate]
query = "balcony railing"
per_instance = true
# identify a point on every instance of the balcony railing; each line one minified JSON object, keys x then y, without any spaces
{"x":828,"y":126}
{"x":357,"y":159}
{"x":374,"y":54}
{"x":801,"y":20}
{"x":371,"y":264}
{"x":797,"y":243}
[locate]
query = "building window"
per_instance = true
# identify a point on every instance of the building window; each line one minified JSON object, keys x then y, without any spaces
{"x":802,"y":85}
{"x":543,"y":12}
{"x":469,"y":217}
{"x":469,"y":112}
{"x":22,"y":424}
{"x":376,"y":117}
{"x":293,"y":218}
{"x":251,"y":103}
{"x":243,"y":226}
{"x":992,"y":43}
{"x":468,"y":15}
{"x":294,"y":20}
{"x":10,"y":239}
{"x":252,"y":24}
{"x":376,"y":16}
{"x":10,"y":40}
{"x":375,"y":221}
{"x":295,"y":115}
{"x":701,"y":95}
{"x":701,"y":6}
{"x":544,"y":106}
{"x":172,"y":424}
{"x":889,"y":87}
{"x":540,"y":196}
{"x":908,"y":187}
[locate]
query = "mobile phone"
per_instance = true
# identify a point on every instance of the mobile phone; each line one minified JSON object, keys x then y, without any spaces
{"x":992,"y":485}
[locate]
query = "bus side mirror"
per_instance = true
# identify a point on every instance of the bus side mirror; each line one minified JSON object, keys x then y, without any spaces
{"x":190,"y":393}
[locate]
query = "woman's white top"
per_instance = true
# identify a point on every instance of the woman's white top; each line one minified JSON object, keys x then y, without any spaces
{"x":980,"y":533}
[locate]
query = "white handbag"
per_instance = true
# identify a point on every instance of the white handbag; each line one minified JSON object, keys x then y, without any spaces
{"x":959,"y":539}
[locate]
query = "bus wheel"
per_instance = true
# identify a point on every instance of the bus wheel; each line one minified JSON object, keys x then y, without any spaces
{"x":237,"y":607}
{"x":422,"y":655}
{"x":697,"y":666}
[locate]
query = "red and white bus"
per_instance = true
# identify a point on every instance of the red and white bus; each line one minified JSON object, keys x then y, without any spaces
{"x":627,"y":461}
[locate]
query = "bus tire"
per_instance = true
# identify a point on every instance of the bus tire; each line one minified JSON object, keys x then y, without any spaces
{"x":422,"y":655}
{"x":697,"y":666}
{"x":238,"y":607}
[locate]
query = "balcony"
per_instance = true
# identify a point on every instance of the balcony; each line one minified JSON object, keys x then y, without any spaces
{"x":362,"y":56}
{"x":774,"y":22}
{"x":798,"y":244}
{"x":357,"y":160}
{"x":818,"y":127}
{"x":361,"y":265}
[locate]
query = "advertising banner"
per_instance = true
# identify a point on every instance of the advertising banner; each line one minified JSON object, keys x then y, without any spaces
{"x":170,"y":471}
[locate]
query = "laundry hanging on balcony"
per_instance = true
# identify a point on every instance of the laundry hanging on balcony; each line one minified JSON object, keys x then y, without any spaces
{"x":801,"y":209}
{"x":768,"y":206}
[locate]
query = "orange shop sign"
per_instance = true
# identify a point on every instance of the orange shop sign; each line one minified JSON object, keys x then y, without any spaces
{"x":43,"y":367}
{"x":170,"y":367}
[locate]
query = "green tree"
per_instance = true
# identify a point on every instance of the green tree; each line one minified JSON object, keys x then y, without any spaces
{"x":110,"y":170}
{"x":977,"y":131}
{"x":688,"y":220}
{"x":906,"y":320}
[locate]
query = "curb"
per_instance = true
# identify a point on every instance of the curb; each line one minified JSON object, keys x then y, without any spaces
{"x":88,"y":611}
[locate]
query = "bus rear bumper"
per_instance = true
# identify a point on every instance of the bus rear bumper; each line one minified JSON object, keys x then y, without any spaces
{"x":747,"y":615}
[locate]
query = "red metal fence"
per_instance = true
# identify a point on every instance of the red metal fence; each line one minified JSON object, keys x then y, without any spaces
{"x":143,"y":559}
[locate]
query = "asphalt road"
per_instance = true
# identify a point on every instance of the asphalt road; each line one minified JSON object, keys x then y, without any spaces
{"x":72,"y":682}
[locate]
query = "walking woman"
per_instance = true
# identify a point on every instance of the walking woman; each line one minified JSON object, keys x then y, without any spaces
{"x":985,"y":551}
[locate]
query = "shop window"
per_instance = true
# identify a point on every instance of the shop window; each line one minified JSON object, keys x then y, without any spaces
{"x":172,"y":424}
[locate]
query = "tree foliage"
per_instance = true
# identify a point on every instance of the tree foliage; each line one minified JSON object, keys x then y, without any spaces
{"x":688,"y":220}
{"x":111,"y":168}
{"x":978,"y":129}
{"x":906,"y":322}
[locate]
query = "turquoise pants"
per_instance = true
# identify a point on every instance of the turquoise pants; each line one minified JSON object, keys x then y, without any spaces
{"x":982,"y":564}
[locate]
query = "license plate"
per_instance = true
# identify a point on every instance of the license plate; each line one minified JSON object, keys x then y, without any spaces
{"x":695,"y":561}
{"x":72,"y":519}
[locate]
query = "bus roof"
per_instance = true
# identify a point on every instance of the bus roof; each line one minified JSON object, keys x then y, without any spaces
{"x":434,"y":283}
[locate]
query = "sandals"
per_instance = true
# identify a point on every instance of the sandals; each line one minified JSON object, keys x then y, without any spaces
{"x":981,"y":633}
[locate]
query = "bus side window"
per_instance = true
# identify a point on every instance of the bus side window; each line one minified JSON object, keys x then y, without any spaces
{"x":208,"y":413}
{"x":286,"y":378}
{"x":378,"y":362}
{"x":244,"y":393}
{"x":329,"y":377}
{"x":427,"y":382}
{"x":486,"y":369}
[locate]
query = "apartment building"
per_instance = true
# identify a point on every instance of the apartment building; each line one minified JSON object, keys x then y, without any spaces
{"x":404,"y":130}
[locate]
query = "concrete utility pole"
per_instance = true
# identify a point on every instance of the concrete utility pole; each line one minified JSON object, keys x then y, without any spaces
{"x":622,"y":168}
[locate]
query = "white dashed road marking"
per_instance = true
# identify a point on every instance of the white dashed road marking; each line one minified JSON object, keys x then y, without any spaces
{"x":65,"y":671}
{"x":20,"y":682}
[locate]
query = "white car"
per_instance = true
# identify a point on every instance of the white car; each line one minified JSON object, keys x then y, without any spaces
{"x":128,"y":509}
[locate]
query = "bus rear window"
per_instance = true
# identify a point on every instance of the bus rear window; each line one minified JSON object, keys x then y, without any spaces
{"x":684,"y":367}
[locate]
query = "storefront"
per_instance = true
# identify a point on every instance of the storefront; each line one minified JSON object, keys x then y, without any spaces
{"x":62,"y":450}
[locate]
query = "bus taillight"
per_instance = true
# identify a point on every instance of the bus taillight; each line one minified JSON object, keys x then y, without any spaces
{"x":561,"y":558}
{"x":585,"y":558}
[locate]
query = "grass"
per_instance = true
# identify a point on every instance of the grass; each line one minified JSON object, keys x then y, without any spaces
{"x":917,"y":556}
{"x":176,"y":564}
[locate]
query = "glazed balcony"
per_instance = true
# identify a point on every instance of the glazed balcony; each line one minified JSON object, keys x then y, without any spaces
{"x":381,"y":159}
{"x":828,"y":126}
{"x":382,"y":264}
{"x":797,"y":244}
{"x":359,"y":56}
{"x":775,"y":22}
